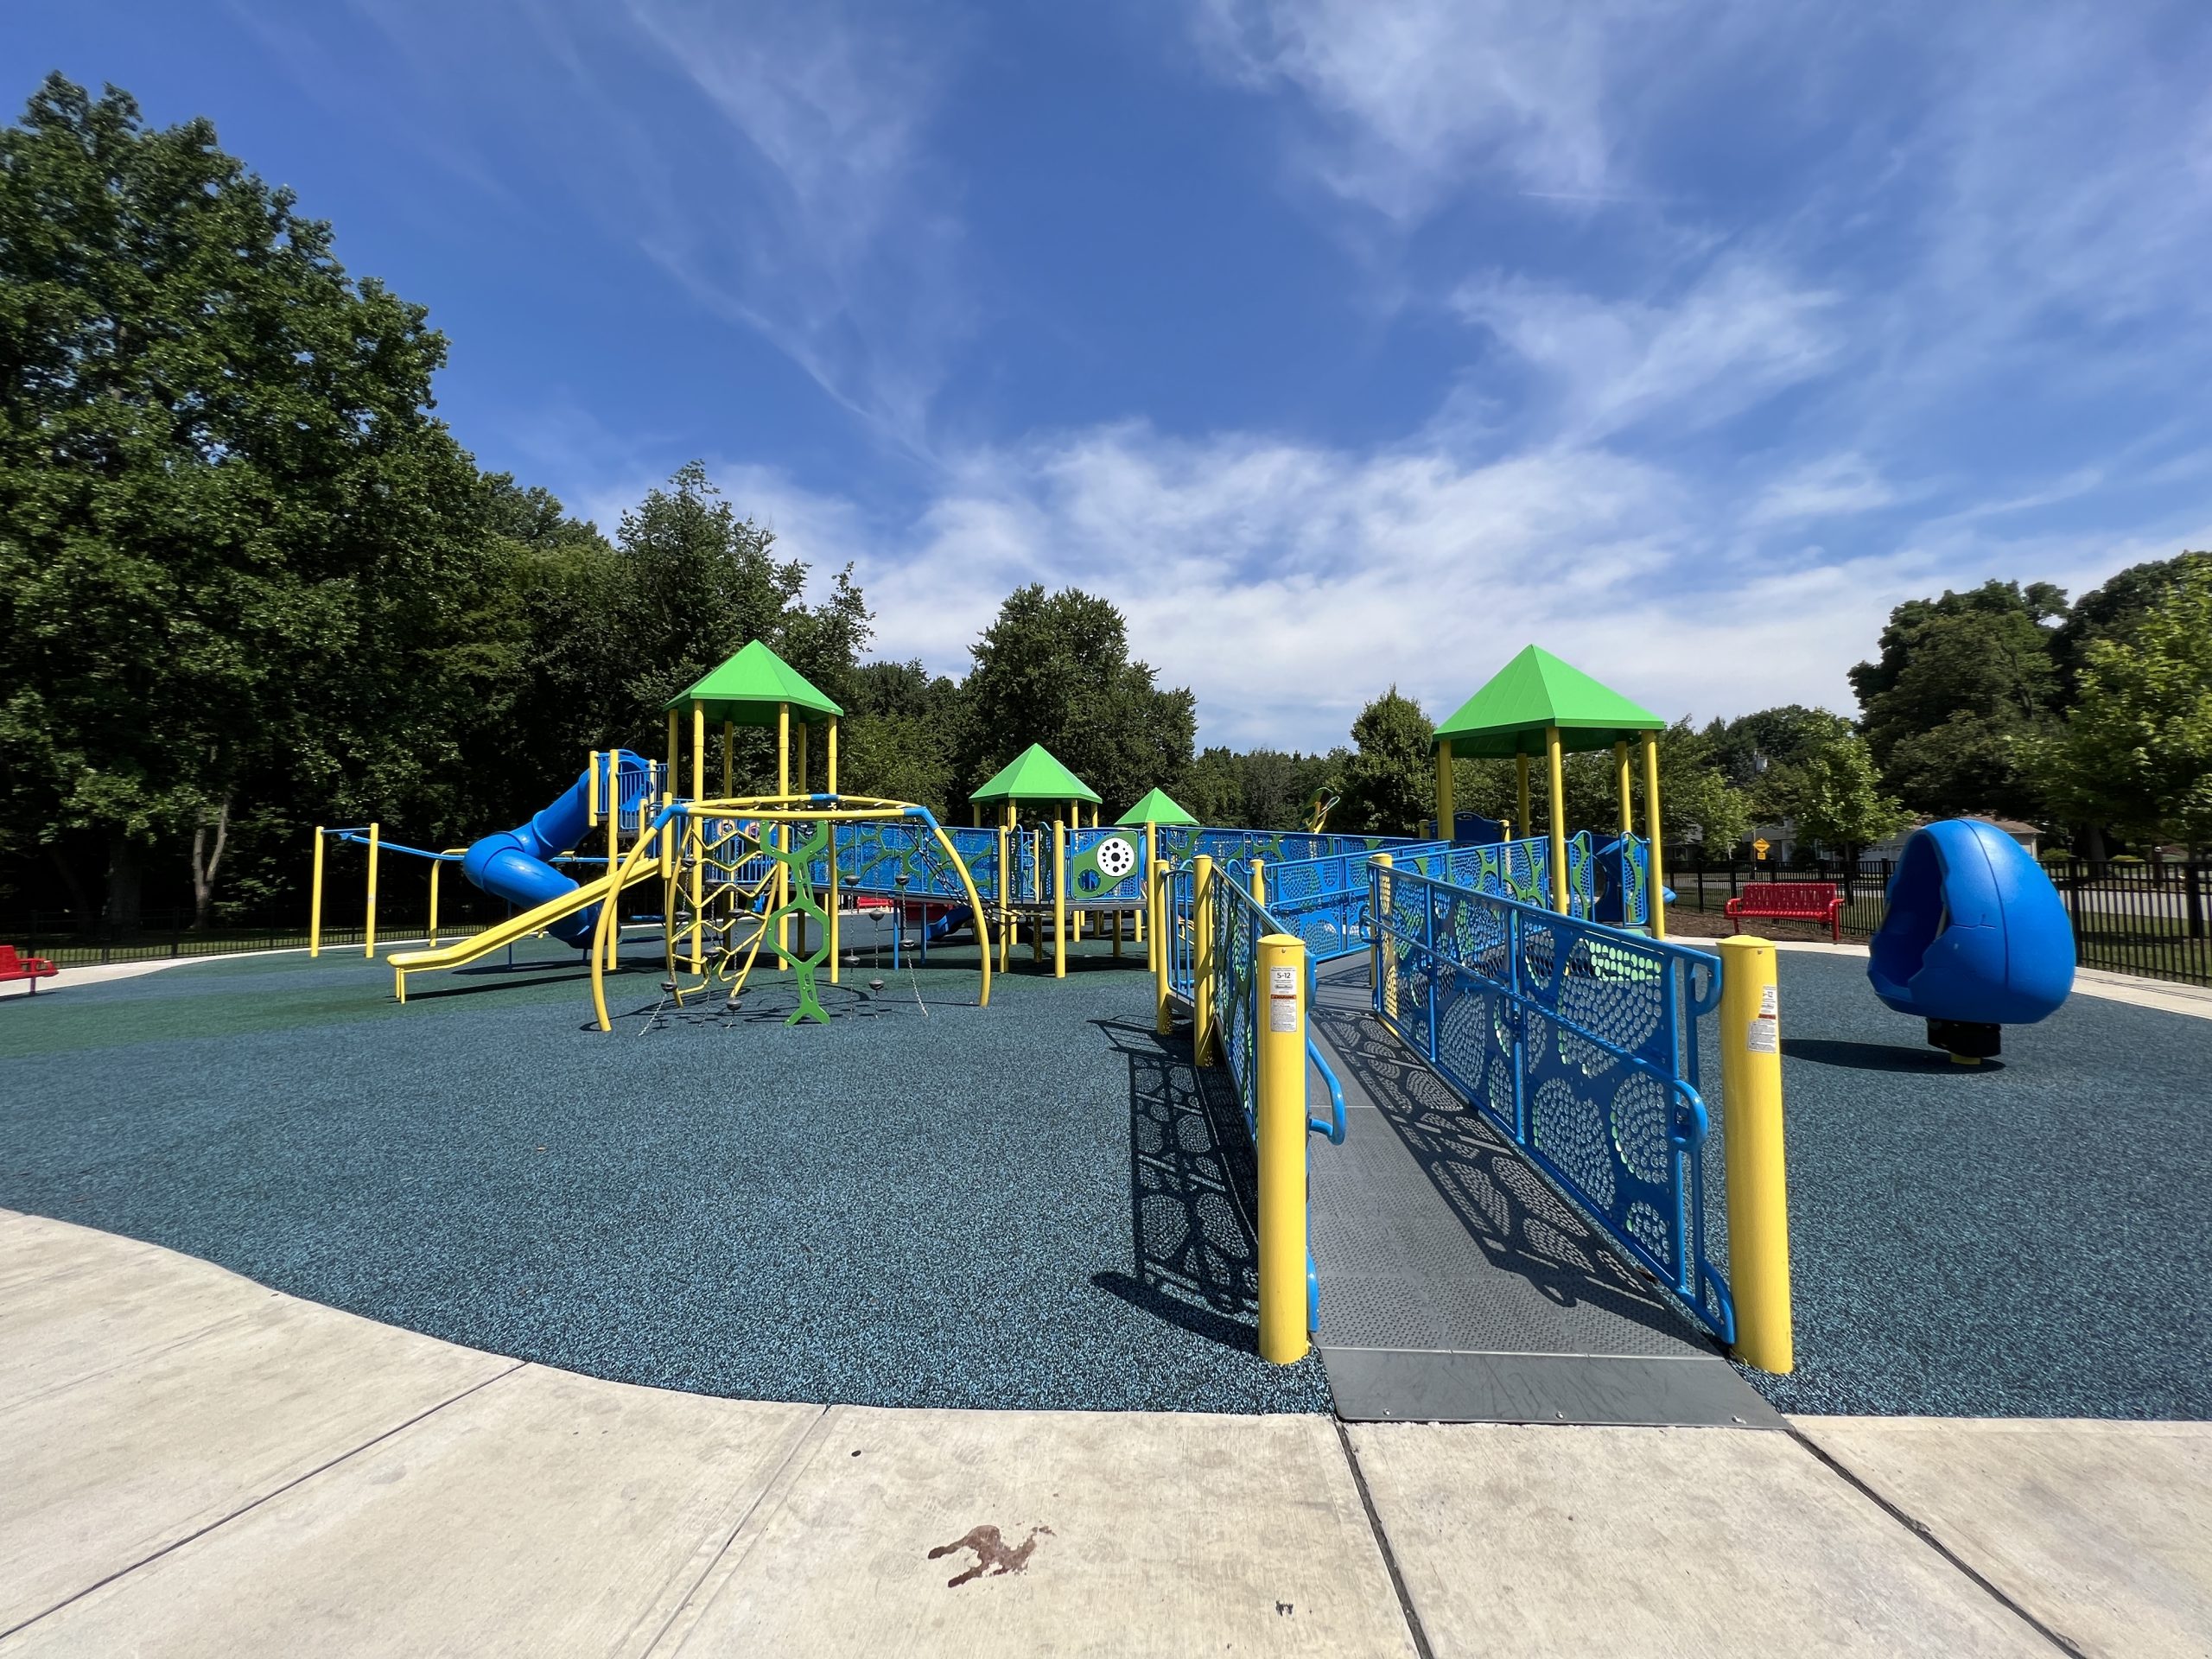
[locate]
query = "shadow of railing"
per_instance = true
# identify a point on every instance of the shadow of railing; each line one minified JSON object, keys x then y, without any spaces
{"x":1521,"y":1226}
{"x":1193,"y":1194}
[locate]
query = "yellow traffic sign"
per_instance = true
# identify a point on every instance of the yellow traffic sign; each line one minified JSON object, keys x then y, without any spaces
{"x":1758,"y":848}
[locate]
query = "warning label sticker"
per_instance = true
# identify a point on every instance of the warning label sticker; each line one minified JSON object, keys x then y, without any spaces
{"x":1283,"y":999}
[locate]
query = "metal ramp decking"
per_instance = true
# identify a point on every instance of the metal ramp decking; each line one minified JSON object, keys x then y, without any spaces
{"x":1458,"y":1287}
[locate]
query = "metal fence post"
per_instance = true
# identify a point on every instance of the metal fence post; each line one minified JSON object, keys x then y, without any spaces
{"x":1751,"y":1139}
{"x":1279,"y":1046}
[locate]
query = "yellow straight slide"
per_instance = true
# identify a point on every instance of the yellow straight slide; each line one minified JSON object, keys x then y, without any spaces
{"x":501,"y":934}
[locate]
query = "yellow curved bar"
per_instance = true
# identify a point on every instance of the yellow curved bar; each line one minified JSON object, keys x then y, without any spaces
{"x":974,"y":909}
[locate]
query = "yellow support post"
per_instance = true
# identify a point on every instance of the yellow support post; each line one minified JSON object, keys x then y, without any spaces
{"x":1446,"y":809}
{"x":591,"y":791}
{"x":674,"y":754}
{"x":315,"y":899}
{"x":829,"y":757}
{"x":1059,"y":899}
{"x":1146,"y":931}
{"x":369,"y":921}
{"x":1758,"y":1184}
{"x":699,"y":791}
{"x":1557,"y":789}
{"x":431,"y":944}
{"x":1657,"y":881}
{"x":1627,"y":805}
{"x":804,"y":728}
{"x":1163,"y":1006}
{"x":1260,"y":882}
{"x":1281,"y":1112}
{"x":837,"y":894}
{"x":783,"y":832}
{"x":615,"y":844}
{"x":1521,"y":779}
{"x":729,"y":758}
{"x":1379,"y":957}
{"x":1005,"y":907}
{"x":1202,"y":963}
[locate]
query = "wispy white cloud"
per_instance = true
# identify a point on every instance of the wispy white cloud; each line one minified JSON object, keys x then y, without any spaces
{"x":1742,"y":332}
{"x":1418,"y":95}
{"x":1833,"y":486}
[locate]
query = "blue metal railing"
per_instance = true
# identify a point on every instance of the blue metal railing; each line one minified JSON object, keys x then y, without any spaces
{"x":1578,"y":1042}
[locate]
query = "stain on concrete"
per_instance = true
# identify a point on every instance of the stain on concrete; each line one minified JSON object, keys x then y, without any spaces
{"x":994,"y":1557}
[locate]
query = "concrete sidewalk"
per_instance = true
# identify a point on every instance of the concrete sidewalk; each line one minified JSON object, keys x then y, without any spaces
{"x":190,"y":1463}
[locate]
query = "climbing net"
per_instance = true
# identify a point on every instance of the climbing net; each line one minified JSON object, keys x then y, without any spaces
{"x":741,"y":872}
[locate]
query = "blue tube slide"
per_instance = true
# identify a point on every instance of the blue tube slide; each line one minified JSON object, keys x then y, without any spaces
{"x":514,"y":865}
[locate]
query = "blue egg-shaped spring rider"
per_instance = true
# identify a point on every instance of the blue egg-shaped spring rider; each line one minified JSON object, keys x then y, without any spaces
{"x":1976,"y":938}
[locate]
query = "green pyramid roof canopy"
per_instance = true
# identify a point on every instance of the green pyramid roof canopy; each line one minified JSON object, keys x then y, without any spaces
{"x":1157,"y":807}
{"x":1536,"y":690}
{"x":747,"y":689}
{"x":1035,"y":775}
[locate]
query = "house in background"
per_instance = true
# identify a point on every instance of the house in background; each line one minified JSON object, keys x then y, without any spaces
{"x":2027,"y":834}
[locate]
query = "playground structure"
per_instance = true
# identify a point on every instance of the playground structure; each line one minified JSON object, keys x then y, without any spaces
{"x":1975,"y":939}
{"x":1530,"y":974}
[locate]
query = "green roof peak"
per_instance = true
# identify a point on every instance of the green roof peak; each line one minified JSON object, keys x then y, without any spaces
{"x":1157,"y":807}
{"x":1035,"y":775}
{"x":1535,"y":690}
{"x":747,"y":689}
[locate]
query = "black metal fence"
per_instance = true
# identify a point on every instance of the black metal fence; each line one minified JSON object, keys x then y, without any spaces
{"x":2151,"y":919}
{"x":63,"y":940}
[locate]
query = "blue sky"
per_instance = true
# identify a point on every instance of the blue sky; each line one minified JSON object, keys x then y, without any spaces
{"x":1339,"y":342}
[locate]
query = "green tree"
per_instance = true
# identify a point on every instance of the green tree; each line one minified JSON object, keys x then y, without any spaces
{"x":2111,"y":610}
{"x":235,"y":546}
{"x":901,"y":729}
{"x":1056,"y":670}
{"x":1389,"y":779}
{"x":1833,"y":795}
{"x":2136,"y":752}
{"x":1960,"y":681}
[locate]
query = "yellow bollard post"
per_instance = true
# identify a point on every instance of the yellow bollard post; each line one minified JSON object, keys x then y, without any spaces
{"x":1380,"y":970}
{"x":1281,"y":1111}
{"x":1447,"y":811}
{"x":1163,"y":1006}
{"x":1656,"y":881}
{"x":315,"y":899}
{"x":1557,"y":785}
{"x":1059,"y":899}
{"x":1260,"y":882}
{"x":369,"y":921}
{"x":1758,"y":1181}
{"x":1202,"y":963}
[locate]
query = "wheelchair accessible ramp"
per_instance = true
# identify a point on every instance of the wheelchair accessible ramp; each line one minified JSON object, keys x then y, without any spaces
{"x":1458,"y":1287}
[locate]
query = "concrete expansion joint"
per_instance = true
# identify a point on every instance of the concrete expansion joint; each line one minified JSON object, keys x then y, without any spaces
{"x":293,"y":1485}
{"x":1382,"y":1543}
{"x":1920,"y":1529}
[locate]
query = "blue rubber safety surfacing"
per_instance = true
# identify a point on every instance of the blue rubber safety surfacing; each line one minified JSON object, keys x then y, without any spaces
{"x":2026,"y":1238}
{"x":1022,"y":1206}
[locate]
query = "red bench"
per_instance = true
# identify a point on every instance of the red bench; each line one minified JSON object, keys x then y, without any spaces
{"x":1789,"y":901}
{"x":31,"y":968}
